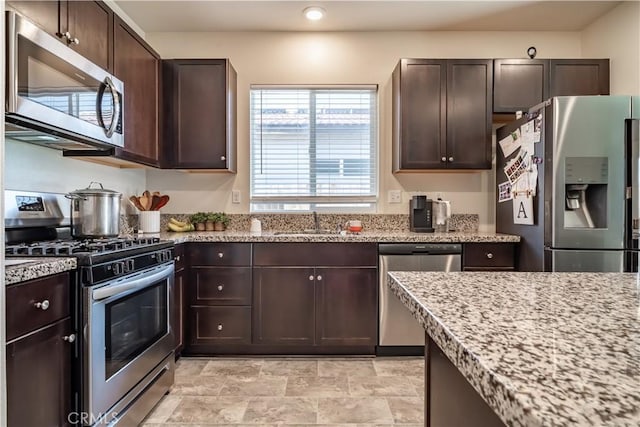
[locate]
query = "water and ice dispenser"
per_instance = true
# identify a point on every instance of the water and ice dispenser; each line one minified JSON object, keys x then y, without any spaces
{"x":586,"y":185}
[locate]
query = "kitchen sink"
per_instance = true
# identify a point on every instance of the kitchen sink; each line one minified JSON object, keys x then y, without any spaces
{"x":322,"y":232}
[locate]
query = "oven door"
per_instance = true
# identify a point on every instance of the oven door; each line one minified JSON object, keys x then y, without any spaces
{"x":126,"y":335}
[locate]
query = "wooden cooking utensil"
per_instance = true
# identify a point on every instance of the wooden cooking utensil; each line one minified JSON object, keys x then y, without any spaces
{"x":155,"y":193}
{"x":135,"y":202}
{"x":143,"y":200}
{"x":163,"y":201}
{"x":147,"y":205}
{"x":155,"y":200}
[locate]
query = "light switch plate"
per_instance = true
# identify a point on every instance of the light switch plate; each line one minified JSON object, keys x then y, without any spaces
{"x":235,"y":196}
{"x":394,"y":196}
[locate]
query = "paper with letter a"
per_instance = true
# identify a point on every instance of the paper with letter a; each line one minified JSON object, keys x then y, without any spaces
{"x":522,"y":209}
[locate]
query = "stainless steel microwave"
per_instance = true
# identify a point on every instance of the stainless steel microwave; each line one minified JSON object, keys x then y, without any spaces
{"x":55,"y":96}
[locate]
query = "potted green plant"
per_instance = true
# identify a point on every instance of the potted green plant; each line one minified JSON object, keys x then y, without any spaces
{"x":198,"y":219}
{"x":220,"y":221}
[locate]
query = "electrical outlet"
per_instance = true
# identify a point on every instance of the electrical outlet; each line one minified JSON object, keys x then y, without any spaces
{"x":235,"y":196}
{"x":394,"y":196}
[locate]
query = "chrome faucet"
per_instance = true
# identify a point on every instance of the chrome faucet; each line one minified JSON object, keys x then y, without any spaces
{"x":316,"y":222}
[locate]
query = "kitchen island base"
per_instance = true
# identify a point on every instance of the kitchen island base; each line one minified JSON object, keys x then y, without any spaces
{"x":449,"y":398}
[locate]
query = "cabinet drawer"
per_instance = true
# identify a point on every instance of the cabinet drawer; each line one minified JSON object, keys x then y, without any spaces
{"x":221,"y":286}
{"x":221,"y":325}
{"x":220,"y":254}
{"x":179,"y":258}
{"x":26,"y":304}
{"x":488,"y":256}
{"x":316,"y":254}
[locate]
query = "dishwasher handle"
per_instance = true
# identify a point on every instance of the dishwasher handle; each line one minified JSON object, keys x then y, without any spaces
{"x":419,"y":248}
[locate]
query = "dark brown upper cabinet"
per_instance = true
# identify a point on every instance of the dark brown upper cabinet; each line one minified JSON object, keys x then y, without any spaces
{"x":519,"y":84}
{"x":442,"y":114}
{"x":138,"y":66}
{"x":85,"y":26}
{"x":199,"y":113}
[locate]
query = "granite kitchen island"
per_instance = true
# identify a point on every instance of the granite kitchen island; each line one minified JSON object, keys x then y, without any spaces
{"x":540,"y":349}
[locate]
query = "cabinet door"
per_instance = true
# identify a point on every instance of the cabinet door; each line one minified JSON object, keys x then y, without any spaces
{"x":220,"y":325}
{"x":137,"y":65}
{"x":419,"y":116}
{"x":346,"y":306}
{"x":42,"y":13}
{"x":39,"y":377}
{"x":197,"y":133}
{"x":469,"y":111}
{"x":569,"y":77}
{"x":519,"y":84}
{"x":91,"y":23}
{"x":283,"y":306}
{"x":178,"y":310}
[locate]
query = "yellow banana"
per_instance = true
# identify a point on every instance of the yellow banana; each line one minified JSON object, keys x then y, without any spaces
{"x":180,"y":229}
{"x":178,"y":223}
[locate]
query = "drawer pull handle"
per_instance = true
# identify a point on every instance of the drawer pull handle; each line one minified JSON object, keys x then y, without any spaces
{"x":223,"y":158}
{"x":311,"y":277}
{"x":489,"y":255}
{"x":319,"y":277}
{"x":444,"y":159}
{"x":220,"y":326}
{"x":220,"y":287}
{"x":451,"y":159}
{"x":42,"y":305}
{"x":69,"y":338}
{"x":177,"y":258}
{"x":220,"y":255}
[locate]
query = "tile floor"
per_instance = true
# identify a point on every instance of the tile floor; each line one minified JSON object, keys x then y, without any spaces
{"x":273,"y":392}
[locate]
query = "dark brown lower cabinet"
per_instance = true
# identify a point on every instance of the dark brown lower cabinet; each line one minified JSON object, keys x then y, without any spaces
{"x":39,"y":377}
{"x":346,"y":306}
{"x":220,"y":325}
{"x":284,"y":306}
{"x":178,"y":310}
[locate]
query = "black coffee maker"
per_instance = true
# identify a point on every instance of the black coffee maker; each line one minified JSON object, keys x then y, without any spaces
{"x":420,"y":214}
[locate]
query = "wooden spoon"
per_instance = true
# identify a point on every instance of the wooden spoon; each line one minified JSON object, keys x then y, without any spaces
{"x":147,"y":205}
{"x":154,"y":202}
{"x":163,"y":201}
{"x":143,"y":200}
{"x":135,"y":202}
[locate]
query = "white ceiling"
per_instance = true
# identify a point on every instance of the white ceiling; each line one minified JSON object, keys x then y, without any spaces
{"x":362,"y":15}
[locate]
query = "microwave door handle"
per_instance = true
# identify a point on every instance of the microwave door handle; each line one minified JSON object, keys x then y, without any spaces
{"x":116,"y":106}
{"x":135,"y":284}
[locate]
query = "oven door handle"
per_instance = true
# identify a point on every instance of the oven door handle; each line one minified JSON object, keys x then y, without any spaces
{"x":135,"y":284}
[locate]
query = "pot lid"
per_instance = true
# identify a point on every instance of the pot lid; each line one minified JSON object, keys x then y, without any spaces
{"x":96,"y":191}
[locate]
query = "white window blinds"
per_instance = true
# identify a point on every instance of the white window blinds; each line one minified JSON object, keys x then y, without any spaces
{"x":313,"y":148}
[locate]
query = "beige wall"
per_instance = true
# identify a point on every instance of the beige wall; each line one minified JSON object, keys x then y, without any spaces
{"x":335,"y":58}
{"x":34,"y":168}
{"x":617,"y":36}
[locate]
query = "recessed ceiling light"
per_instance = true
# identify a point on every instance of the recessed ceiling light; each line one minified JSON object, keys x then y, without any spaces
{"x":314,"y":13}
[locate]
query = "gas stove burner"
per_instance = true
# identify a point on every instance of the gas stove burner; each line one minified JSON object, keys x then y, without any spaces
{"x":74,"y":247}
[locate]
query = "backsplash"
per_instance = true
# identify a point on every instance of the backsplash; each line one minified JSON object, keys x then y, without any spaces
{"x":299,"y":222}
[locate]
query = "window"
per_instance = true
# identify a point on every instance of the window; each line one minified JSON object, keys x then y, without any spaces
{"x":313,"y":148}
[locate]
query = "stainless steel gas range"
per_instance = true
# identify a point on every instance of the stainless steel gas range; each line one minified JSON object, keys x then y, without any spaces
{"x":124,"y":361}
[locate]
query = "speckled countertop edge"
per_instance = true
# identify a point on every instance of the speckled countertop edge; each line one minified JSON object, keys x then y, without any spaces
{"x":38,"y":268}
{"x":534,"y":404}
{"x":375,"y":237}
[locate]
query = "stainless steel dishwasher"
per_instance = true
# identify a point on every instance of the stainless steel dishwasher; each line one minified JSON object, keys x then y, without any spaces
{"x":399,"y":332}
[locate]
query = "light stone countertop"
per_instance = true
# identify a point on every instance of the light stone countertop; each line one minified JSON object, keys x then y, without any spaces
{"x":39,"y":267}
{"x":542,"y":349}
{"x":370,"y":236}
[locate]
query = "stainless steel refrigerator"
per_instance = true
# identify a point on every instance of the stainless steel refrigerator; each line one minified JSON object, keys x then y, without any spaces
{"x":586,"y":209}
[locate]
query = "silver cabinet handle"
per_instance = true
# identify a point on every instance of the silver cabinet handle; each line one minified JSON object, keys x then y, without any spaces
{"x":67,"y":35}
{"x":220,"y":255}
{"x":42,"y":305}
{"x":451,"y":159}
{"x":489,"y":255}
{"x":311,"y":277}
{"x":177,"y":258}
{"x":319,"y":277}
{"x":75,"y":41}
{"x":220,"y":287}
{"x":444,"y":159}
{"x":69,"y":338}
{"x":223,"y":158}
{"x":220,"y":326}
